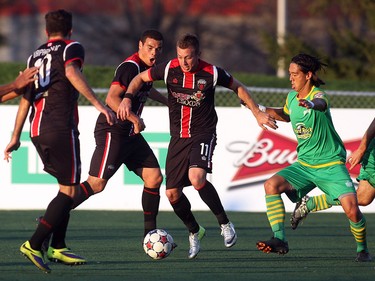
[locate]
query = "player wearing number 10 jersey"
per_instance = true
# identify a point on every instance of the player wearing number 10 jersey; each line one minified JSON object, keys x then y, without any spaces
{"x":54,"y":132}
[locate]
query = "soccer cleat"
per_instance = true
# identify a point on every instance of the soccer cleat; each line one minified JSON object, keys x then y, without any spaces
{"x":65,"y":256}
{"x":363,"y":256}
{"x":274,"y":245}
{"x":300,"y":212}
{"x":229,"y":234}
{"x":35,"y":256}
{"x":195,"y":242}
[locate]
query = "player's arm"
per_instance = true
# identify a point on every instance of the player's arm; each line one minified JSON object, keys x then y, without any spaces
{"x":113,"y":100}
{"x":12,"y":90}
{"x":14,"y":144}
{"x":262,"y":118}
{"x":135,"y":85}
{"x":356,"y":157}
{"x":317,"y":103}
{"x":157,"y":96}
{"x":78,"y":80}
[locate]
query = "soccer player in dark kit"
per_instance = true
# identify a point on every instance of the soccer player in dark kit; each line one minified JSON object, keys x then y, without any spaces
{"x":121,"y":143}
{"x":191,"y":86}
{"x":54,"y":132}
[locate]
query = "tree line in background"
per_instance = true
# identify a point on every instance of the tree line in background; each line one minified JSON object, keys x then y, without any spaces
{"x":341,"y":32}
{"x":350,"y":47}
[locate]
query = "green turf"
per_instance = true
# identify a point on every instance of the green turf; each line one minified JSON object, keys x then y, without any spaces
{"x":321,"y":249}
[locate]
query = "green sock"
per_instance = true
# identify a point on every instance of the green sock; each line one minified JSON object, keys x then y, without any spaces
{"x":358,"y":230}
{"x":276,"y":215}
{"x":321,"y":202}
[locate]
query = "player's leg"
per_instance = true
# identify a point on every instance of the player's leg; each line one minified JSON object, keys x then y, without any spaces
{"x":342,"y":188}
{"x":291,"y":180}
{"x":311,"y":204}
{"x":357,"y":226}
{"x":274,"y":187}
{"x":142,"y":161}
{"x":200,"y":163}
{"x":177,"y":167}
{"x":209,"y":195}
{"x":365,"y":193}
{"x":152,"y":179}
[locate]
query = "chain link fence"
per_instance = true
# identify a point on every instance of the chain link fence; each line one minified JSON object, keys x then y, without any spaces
{"x":274,"y":97}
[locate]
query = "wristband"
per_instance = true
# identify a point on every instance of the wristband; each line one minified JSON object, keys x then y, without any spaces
{"x":262,"y":108}
{"x":128,"y":96}
{"x":312,"y":104}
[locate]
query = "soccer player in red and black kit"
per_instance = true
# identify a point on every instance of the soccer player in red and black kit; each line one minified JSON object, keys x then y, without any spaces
{"x":121,"y":143}
{"x":54,"y":132}
{"x":191,"y":86}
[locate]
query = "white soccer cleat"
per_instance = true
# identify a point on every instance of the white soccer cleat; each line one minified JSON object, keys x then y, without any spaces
{"x":229,"y":234}
{"x":195,"y":242}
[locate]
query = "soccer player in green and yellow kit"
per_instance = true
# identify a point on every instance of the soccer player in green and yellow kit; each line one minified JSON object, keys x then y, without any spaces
{"x":321,"y":158}
{"x":364,"y":154}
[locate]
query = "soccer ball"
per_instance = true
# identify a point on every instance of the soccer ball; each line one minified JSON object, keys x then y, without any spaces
{"x":158,"y":244}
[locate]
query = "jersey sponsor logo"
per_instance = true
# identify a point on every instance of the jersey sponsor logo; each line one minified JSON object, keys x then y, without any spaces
{"x":191,"y":100}
{"x":256,"y":162}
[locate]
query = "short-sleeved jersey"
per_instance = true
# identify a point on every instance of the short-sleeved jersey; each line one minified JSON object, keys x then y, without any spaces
{"x":124,"y":73}
{"x":319,"y":145}
{"x":191,"y":96}
{"x":53,"y":97}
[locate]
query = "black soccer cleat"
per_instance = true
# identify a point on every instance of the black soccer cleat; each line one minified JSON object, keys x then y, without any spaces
{"x":363,"y":256}
{"x":274,"y":245}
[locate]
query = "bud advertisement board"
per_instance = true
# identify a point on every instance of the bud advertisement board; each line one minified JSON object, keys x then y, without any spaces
{"x":245,"y":156}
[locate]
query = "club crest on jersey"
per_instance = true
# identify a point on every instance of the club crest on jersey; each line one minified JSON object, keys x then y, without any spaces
{"x":201,"y":84}
{"x":302,"y":132}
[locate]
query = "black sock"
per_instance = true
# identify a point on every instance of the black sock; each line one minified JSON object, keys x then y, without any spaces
{"x":58,"y":238}
{"x":57,"y":209}
{"x":209,"y":196}
{"x":150,"y":205}
{"x":83,"y":192}
{"x":182,"y":209}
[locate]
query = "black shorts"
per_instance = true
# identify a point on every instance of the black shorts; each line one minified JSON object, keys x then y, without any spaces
{"x":186,"y":153}
{"x":60,"y":154}
{"x":112,"y":150}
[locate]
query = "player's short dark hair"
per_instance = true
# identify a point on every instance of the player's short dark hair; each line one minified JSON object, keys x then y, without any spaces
{"x":151,"y":33}
{"x":309,"y":63}
{"x":59,"y":22}
{"x":189,"y":40}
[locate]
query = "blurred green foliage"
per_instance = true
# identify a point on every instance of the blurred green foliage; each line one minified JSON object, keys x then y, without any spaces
{"x":101,"y":77}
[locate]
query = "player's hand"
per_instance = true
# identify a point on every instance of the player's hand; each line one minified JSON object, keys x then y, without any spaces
{"x":265,"y":120}
{"x":123,"y":111}
{"x":110,"y":116}
{"x":26,"y":77}
{"x":12,"y":146}
{"x":139,"y":126}
{"x":355,"y":158}
{"x":306,"y":103}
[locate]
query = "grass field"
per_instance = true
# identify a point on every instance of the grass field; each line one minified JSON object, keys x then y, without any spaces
{"x":321,"y":249}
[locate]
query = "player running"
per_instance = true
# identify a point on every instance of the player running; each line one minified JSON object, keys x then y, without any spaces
{"x":54,"y":132}
{"x":121,"y":143}
{"x":321,"y":158}
{"x":191,"y":86}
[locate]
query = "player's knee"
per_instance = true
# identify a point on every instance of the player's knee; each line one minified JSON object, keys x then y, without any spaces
{"x":271,"y":187}
{"x":172,"y":194}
